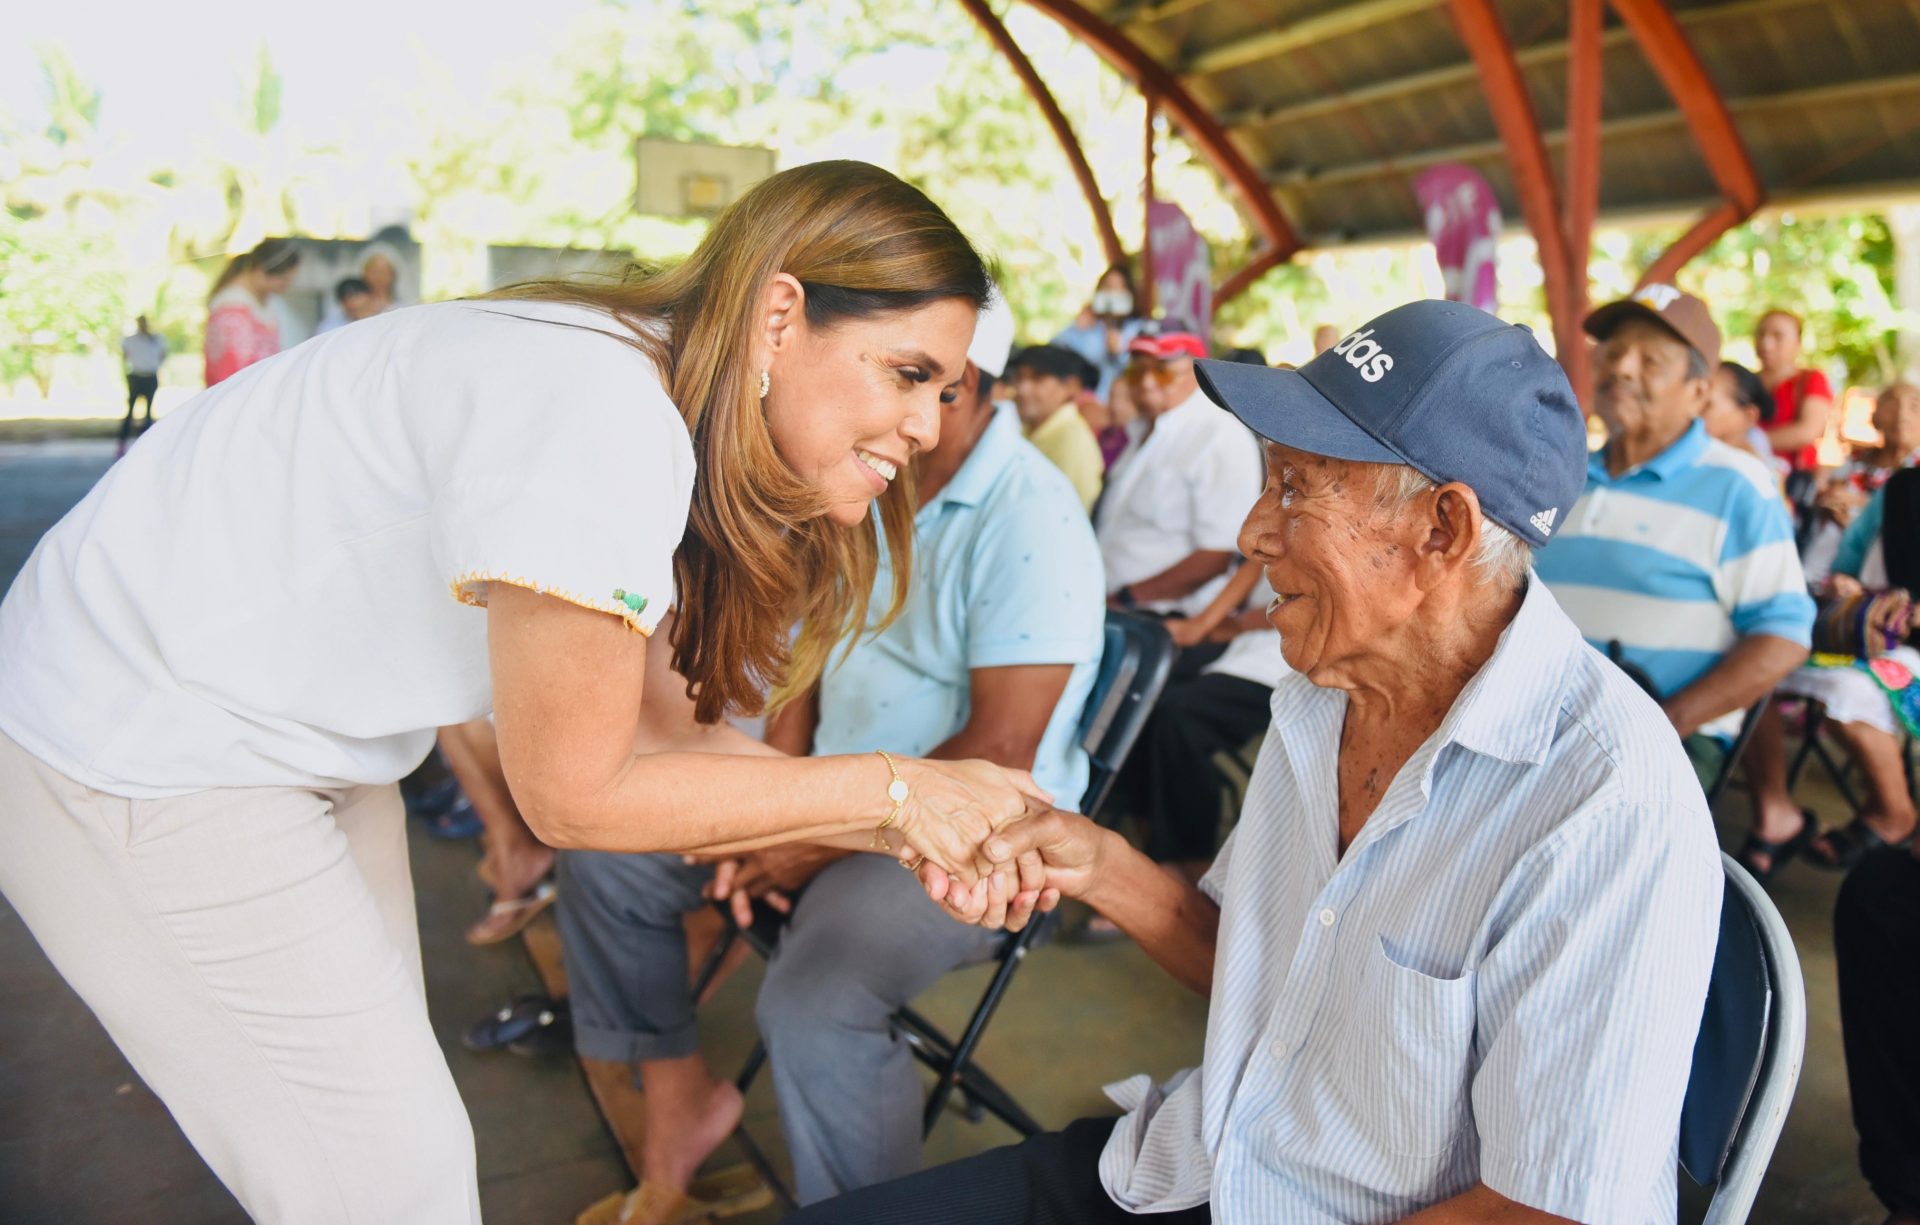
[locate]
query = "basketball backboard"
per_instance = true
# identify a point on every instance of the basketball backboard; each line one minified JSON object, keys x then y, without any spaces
{"x":679,"y":178}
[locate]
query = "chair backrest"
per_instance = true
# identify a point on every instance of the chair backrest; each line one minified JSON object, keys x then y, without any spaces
{"x":1746,"y":1059}
{"x":1134,"y":663}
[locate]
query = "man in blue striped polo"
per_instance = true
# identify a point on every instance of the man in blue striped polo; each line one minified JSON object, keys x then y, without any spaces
{"x":1678,"y":560}
{"x":1456,"y":947}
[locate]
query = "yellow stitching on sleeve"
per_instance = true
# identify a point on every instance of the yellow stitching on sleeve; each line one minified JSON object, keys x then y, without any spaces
{"x":462,"y":588}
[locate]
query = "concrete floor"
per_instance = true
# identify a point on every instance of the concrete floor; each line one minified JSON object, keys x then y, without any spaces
{"x":82,"y":1139}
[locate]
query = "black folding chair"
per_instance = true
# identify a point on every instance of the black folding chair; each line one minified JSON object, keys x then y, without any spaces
{"x":1134,"y":663}
{"x":1841,"y":769}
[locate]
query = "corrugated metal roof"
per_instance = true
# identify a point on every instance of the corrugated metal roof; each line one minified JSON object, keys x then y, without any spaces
{"x":1340,"y":103}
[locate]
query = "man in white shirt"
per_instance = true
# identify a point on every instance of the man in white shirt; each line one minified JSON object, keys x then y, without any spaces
{"x":1173,"y":502}
{"x":142,"y":353}
{"x":1458,"y":944}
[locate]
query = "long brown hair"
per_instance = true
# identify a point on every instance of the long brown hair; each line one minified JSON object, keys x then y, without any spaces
{"x":275,"y":255}
{"x":758,"y":555}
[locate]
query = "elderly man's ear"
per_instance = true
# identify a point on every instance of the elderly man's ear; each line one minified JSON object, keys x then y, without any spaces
{"x":1453,"y":534}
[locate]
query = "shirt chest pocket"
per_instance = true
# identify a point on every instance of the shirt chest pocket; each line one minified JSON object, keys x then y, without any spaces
{"x":1407,"y":1082}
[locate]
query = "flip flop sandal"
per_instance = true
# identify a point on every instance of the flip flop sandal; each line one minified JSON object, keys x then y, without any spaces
{"x":1779,"y":854}
{"x":730,"y":1192}
{"x":516,"y":1021}
{"x":509,"y":918}
{"x":1849,"y":845}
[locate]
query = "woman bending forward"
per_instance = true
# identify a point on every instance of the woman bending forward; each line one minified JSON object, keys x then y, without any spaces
{"x":213,"y":670}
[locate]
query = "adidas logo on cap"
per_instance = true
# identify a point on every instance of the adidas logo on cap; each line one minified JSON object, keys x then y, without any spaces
{"x":1544,"y":520}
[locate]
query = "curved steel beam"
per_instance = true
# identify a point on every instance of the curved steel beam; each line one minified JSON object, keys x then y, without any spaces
{"x":1195,"y":120}
{"x":1258,"y":265}
{"x":1480,"y":29}
{"x":1693,"y":242}
{"x":1582,"y":199}
{"x":1680,"y":70}
{"x":1057,"y":120}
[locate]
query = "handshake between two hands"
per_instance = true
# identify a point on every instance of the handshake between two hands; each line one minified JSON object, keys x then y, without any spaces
{"x":986,"y":843}
{"x":1033,"y":861}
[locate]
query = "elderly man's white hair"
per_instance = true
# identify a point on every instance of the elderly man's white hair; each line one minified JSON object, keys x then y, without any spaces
{"x":1502,"y":557}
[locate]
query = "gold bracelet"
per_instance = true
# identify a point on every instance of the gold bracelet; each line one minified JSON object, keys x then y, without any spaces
{"x":897,"y":791}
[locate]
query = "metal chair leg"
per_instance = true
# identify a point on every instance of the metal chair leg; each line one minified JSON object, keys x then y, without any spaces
{"x":721,"y":948}
{"x":962,"y":1056}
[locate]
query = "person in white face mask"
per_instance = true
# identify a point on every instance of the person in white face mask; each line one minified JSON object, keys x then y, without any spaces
{"x":1105,"y":326}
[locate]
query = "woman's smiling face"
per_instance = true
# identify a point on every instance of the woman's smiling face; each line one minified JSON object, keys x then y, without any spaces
{"x":851,"y":404}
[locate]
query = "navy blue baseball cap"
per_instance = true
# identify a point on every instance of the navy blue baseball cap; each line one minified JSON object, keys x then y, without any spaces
{"x":1441,"y":386}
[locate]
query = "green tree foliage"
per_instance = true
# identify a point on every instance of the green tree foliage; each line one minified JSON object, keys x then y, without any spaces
{"x":915,"y":87}
{"x":61,"y":276}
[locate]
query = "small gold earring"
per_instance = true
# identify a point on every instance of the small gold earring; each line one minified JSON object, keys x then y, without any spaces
{"x":766,"y":383}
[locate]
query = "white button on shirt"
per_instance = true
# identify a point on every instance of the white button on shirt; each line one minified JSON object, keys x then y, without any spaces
{"x":1503,"y":983}
{"x":1186,"y":487}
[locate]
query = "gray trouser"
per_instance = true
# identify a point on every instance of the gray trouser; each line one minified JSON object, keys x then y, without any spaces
{"x":863,"y":940}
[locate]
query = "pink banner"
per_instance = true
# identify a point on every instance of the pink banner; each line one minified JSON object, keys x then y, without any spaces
{"x":1182,"y":269}
{"x":1463,"y":220}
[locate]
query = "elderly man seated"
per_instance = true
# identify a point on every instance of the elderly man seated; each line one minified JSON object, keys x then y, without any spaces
{"x":1680,"y":553}
{"x":1458,"y":944}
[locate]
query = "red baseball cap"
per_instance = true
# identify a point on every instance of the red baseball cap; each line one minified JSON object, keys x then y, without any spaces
{"x":1168,"y":345}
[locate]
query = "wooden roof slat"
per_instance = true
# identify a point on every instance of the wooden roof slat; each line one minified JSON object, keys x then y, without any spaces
{"x":1465,"y":72}
{"x":1151,"y":11}
{"x":1307,"y":31}
{"x":1871,"y":89}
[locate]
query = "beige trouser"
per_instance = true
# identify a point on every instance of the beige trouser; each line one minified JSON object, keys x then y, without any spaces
{"x":254,"y":954}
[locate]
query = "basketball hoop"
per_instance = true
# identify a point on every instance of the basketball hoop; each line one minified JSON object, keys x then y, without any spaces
{"x":677,"y":178}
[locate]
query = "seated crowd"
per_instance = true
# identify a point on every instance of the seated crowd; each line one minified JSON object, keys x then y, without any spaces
{"x":1487,"y":683}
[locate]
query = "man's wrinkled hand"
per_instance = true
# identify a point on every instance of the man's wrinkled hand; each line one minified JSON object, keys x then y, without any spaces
{"x":1039,"y":859}
{"x":774,"y":874}
{"x":1185,"y":631}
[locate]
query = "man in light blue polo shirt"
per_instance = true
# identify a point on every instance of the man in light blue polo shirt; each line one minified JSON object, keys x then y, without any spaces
{"x":1680,"y":550}
{"x":992,"y":656}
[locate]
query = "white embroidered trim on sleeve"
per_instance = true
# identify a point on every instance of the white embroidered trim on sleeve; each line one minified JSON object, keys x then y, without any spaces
{"x":465,"y":590}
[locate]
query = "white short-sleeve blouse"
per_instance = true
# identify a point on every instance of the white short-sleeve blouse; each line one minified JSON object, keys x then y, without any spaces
{"x":273,"y":587}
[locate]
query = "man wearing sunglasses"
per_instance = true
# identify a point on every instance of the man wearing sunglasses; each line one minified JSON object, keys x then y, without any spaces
{"x":1170,"y":517}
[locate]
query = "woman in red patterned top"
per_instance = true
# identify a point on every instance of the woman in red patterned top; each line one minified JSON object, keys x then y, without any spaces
{"x":241,"y":330}
{"x":1802,"y":399}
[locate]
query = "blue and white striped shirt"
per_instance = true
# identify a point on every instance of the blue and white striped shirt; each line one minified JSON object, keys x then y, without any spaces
{"x":1500,"y":981}
{"x":1678,"y":559}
